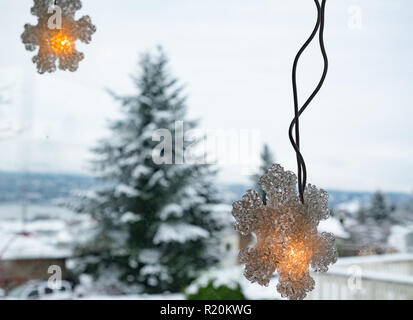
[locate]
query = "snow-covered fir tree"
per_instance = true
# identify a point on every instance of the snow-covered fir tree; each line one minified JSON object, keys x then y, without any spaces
{"x":379,"y":209}
{"x":156,"y":227}
{"x":372,"y":228}
{"x":267,"y":160}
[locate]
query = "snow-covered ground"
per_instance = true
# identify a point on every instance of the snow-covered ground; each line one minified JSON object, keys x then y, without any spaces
{"x":177,"y":296}
{"x":230,"y":277}
{"x":46,"y":232}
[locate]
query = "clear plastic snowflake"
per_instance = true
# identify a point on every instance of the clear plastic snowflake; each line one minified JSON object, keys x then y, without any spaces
{"x":286,"y":230}
{"x":57,"y":44}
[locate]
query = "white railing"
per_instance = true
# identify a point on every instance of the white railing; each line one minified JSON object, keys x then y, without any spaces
{"x":373,"y":277}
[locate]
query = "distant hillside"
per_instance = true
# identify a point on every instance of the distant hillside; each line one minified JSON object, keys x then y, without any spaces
{"x":43,"y":188}
{"x":40,"y":188}
{"x":336,"y":197}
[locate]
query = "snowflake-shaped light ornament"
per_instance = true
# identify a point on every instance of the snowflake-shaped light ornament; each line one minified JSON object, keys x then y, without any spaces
{"x":57,"y":43}
{"x":286,"y":230}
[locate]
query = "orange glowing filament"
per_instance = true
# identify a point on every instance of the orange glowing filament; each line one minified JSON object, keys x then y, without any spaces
{"x":61,"y":43}
{"x":296,"y":259}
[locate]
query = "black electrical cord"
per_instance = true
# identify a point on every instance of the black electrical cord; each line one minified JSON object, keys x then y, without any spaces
{"x":296,"y":144}
{"x":301,"y":167}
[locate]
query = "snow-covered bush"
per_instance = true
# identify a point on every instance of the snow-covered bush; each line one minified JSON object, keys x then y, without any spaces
{"x":213,"y":292}
{"x":217,"y":284}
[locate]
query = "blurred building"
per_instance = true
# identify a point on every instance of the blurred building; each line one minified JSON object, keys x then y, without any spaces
{"x":29,"y":248}
{"x":15,"y":272}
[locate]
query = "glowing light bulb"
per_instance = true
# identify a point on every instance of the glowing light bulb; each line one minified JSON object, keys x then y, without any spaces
{"x":288,"y":241}
{"x":61,"y":44}
{"x":296,"y":259}
{"x":56,"y":47}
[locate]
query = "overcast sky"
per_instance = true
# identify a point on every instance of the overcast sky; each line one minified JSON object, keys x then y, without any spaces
{"x":235,"y":57}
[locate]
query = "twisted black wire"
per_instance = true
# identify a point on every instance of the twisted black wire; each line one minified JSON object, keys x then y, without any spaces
{"x":301,"y":167}
{"x":296,"y":143}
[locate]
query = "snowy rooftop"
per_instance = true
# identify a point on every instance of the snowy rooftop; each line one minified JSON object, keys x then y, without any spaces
{"x":334,"y":226}
{"x":351,"y":206}
{"x":48,"y":233}
{"x":21,"y":247}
